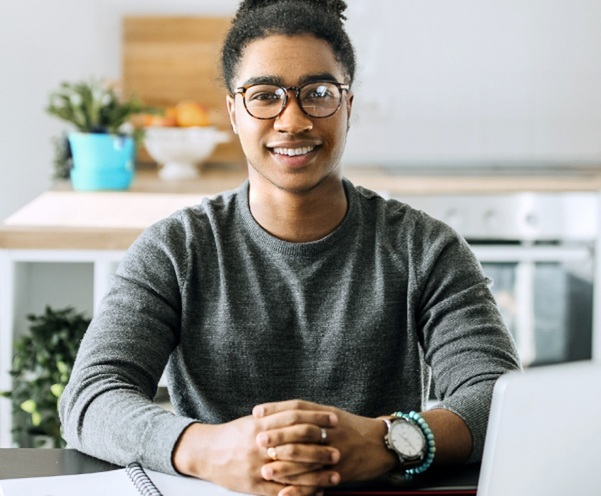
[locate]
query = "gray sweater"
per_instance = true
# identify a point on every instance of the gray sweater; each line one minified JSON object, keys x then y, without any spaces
{"x":361,"y":319}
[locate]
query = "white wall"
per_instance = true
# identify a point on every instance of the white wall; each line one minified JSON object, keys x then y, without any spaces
{"x":477,"y":80}
{"x":44,"y":42}
{"x":439,"y":80}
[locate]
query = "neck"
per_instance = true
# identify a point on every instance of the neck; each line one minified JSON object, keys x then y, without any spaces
{"x":299,"y":217}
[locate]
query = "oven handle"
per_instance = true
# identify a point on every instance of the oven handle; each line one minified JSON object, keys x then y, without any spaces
{"x":509,"y":253}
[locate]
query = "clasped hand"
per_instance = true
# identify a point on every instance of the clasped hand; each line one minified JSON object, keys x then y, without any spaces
{"x":281,"y":449}
{"x":313,"y":446}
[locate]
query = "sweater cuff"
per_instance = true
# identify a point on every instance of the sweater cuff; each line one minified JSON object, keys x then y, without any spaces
{"x":476,"y":419}
{"x":159,"y":442}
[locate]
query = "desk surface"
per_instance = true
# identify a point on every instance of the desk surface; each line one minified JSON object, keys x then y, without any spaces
{"x":29,"y":462}
{"x":16,"y":463}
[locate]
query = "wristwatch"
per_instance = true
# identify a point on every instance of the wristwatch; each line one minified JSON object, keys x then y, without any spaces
{"x":407,"y":440}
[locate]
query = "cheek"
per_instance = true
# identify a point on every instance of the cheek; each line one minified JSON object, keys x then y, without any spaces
{"x":340,"y":133}
{"x":251,"y":132}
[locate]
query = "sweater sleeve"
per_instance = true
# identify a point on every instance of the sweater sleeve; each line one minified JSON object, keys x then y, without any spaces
{"x":465,"y":341}
{"x":107,"y":409}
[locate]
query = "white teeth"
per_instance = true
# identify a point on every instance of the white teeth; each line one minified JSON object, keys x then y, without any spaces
{"x":291,"y":152}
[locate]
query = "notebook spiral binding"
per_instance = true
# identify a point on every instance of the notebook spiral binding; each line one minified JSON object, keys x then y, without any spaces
{"x":141,"y":480}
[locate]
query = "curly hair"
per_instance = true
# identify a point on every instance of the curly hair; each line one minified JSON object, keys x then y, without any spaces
{"x":256,"y":19}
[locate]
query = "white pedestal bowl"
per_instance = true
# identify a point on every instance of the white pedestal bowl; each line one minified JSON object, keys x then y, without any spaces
{"x":180,"y":151}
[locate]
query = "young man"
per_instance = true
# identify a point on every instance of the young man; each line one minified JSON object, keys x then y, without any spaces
{"x":296,"y":313}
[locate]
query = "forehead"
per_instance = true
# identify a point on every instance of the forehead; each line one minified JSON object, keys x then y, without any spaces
{"x":288,"y":59}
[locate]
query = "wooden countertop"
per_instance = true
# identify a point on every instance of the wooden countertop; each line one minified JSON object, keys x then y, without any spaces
{"x":64,"y":219}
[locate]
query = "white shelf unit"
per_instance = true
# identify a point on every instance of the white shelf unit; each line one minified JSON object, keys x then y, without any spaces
{"x":30,"y":280}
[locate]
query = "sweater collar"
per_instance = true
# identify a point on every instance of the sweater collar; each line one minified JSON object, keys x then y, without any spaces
{"x":277,"y":245}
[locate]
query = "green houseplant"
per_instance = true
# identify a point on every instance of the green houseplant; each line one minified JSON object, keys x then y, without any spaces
{"x":42,"y":363}
{"x":103,"y":143}
{"x":94,"y":107}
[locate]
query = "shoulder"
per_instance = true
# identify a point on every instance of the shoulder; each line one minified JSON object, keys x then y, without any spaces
{"x":189,"y":225}
{"x":399,"y":217}
{"x":408,"y":233}
{"x":209,"y":211}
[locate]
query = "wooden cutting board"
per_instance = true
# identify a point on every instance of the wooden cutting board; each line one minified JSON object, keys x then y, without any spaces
{"x":168,"y":59}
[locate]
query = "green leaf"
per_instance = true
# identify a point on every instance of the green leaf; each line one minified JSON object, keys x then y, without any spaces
{"x":57,"y":389}
{"x":62,"y":367}
{"x":29,"y":406}
{"x":36,"y":418}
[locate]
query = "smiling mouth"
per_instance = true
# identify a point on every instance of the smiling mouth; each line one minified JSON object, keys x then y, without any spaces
{"x":293,"y":152}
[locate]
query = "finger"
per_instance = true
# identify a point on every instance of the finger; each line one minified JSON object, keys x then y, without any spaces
{"x":270,"y":471}
{"x":269,"y":487}
{"x":265,"y":409}
{"x":304,"y":453}
{"x":299,"y":475}
{"x":301,"y":491}
{"x":303,"y":433}
{"x":293,"y":417}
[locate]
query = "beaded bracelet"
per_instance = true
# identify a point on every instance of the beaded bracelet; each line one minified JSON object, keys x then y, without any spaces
{"x":430,"y":446}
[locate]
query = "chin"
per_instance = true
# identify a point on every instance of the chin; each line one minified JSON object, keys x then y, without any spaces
{"x":301,"y":181}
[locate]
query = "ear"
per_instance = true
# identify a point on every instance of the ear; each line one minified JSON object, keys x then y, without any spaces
{"x":230,"y":103}
{"x":349,"y":108}
{"x":349,"y":103}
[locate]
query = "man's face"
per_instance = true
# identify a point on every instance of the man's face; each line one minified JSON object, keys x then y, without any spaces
{"x":292,"y":152}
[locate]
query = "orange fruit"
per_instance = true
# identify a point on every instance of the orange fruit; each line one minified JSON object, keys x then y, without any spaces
{"x":190,"y":113}
{"x":166,"y":119}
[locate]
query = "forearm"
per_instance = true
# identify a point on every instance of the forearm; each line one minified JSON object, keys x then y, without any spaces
{"x":452,"y":436}
{"x":120,"y":426}
{"x":194,"y":444}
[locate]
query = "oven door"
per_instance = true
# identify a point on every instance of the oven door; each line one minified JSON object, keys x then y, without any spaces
{"x":545,"y":294}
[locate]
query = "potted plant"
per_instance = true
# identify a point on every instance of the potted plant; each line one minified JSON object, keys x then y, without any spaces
{"x":103,"y":143}
{"x":42,"y":363}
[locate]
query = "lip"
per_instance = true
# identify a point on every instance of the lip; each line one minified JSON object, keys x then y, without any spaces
{"x":294,"y":161}
{"x":293,"y":143}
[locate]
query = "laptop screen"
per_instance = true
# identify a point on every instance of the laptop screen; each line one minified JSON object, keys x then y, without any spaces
{"x":544,"y":432}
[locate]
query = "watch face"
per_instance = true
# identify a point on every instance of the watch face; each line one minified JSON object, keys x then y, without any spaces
{"x":407,"y":438}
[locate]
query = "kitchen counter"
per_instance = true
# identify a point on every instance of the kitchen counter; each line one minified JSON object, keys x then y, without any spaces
{"x":64,"y":219}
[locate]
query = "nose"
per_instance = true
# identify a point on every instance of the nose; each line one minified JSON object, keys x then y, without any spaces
{"x":292,"y":119}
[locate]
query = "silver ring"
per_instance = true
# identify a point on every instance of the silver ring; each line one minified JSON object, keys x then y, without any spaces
{"x":272,"y":453}
{"x":323,"y":435}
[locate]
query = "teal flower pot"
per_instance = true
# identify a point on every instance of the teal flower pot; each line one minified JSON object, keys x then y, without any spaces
{"x":101,"y":161}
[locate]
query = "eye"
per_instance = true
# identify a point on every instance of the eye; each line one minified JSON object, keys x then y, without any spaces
{"x":264,"y":94}
{"x":321,"y":91}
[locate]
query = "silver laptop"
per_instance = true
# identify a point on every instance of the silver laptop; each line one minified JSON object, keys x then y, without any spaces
{"x":544,"y":433}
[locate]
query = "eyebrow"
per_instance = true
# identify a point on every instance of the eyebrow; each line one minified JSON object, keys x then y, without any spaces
{"x":277,"y":80}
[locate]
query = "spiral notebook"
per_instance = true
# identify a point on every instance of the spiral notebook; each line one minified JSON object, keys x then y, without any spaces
{"x":141,"y":481}
{"x":130,"y":481}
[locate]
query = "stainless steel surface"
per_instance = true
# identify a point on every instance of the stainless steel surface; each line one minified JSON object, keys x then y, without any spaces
{"x":520,"y":216}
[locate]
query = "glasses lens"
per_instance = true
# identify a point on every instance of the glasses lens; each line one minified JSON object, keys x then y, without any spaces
{"x":264,"y":101}
{"x":320,"y":99}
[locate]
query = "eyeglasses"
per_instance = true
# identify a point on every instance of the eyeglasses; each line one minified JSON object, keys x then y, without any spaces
{"x":317,"y":99}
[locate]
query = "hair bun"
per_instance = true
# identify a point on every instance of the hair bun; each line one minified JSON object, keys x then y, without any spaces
{"x":336,"y":7}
